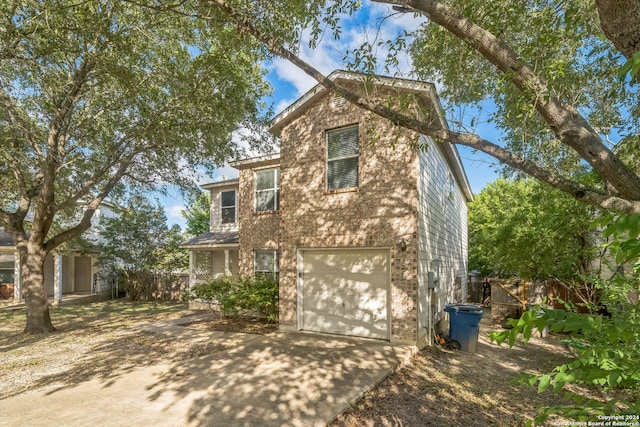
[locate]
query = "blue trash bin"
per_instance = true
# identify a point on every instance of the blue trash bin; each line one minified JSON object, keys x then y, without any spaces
{"x":464,"y":325}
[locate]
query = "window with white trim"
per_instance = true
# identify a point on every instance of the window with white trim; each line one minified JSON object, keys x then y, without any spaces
{"x":267,"y":190}
{"x":7,"y":268}
{"x":266,"y":262}
{"x":228,"y":207}
{"x":342,"y":158}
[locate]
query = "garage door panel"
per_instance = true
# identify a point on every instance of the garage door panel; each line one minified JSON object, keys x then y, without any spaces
{"x":346,"y":292}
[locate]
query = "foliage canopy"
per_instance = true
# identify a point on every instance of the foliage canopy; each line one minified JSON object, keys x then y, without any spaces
{"x":524,"y":228}
{"x":197,"y":212}
{"x":547,"y":67}
{"x":99,"y":97}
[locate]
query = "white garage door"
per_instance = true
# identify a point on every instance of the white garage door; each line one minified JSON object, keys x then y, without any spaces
{"x":346,"y":292}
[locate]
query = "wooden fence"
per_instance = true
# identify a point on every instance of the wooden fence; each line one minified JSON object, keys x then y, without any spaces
{"x":510,"y":297}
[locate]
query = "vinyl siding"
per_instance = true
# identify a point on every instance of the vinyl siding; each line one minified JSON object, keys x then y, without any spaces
{"x":442,"y":234}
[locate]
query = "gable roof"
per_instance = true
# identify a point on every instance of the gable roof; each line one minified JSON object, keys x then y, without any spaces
{"x":425,"y":89}
{"x":299,"y":107}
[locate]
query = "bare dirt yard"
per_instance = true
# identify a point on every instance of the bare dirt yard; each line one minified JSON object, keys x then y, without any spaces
{"x":443,"y":387}
{"x":438,"y":388}
{"x":95,"y":340}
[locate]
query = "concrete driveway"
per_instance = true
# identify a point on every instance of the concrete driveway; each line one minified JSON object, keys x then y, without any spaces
{"x":282,"y":379}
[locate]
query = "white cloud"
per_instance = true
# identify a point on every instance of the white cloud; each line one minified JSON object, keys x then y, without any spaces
{"x":174,"y":215}
{"x":381,"y":23}
{"x":174,"y":211}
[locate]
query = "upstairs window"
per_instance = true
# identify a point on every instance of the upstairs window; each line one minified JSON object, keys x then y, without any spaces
{"x":342,"y":158}
{"x":267,"y":190}
{"x":228,"y":206}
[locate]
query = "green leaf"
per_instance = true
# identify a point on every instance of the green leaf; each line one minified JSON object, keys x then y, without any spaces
{"x":513,"y":335}
{"x":545,"y":380}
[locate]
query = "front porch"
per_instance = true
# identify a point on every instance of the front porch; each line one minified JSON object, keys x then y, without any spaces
{"x":212,"y":255}
{"x":64,"y":274}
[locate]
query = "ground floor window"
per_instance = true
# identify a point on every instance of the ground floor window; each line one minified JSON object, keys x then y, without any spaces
{"x":266,"y":262}
{"x":7,"y":268}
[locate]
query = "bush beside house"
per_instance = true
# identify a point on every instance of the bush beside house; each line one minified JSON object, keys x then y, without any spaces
{"x":228,"y":295}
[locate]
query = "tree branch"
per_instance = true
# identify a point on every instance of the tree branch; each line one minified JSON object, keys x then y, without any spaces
{"x":567,"y":124}
{"x":576,"y":190}
{"x":20,"y":120}
{"x":85,"y":222}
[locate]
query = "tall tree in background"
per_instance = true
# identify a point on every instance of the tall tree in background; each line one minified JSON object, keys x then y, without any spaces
{"x":97,"y":96}
{"x":137,"y":242}
{"x":547,"y":67}
{"x":524,"y":228}
{"x":197,"y":212}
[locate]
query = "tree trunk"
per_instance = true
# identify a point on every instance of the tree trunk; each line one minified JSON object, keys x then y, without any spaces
{"x":620,"y":21}
{"x":35,"y":295}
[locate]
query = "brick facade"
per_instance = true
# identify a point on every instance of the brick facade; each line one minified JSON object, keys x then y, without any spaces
{"x":258,"y":230}
{"x":384,"y":210}
{"x":380,"y":213}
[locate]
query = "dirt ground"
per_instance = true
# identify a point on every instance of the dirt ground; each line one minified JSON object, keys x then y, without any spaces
{"x":443,"y":387}
{"x":94,"y":340}
{"x":244,"y":324}
{"x":438,"y":388}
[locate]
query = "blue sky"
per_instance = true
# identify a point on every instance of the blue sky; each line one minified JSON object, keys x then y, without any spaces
{"x":373,"y":22}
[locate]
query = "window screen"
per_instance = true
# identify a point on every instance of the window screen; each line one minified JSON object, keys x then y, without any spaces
{"x":266,"y":263}
{"x":267,"y":190}
{"x":342,"y":158}
{"x":228,"y":206}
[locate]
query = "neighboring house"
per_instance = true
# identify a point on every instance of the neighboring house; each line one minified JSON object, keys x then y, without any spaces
{"x":65,"y":272}
{"x":367,"y":233}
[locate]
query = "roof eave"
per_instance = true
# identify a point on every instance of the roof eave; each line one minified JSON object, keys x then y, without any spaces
{"x":289,"y":113}
{"x":211,"y":246}
{"x":234,"y":182}
{"x":255,"y":162}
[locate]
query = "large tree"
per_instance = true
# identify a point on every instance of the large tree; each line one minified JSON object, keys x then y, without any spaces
{"x":522,"y":227}
{"x":138,"y":244}
{"x":100,"y":96}
{"x":547,"y":66}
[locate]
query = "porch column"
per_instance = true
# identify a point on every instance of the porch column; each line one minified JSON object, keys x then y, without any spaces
{"x":227,"y":263}
{"x":192,"y":268}
{"x":71,"y":274}
{"x":57,"y":279}
{"x":96,"y":283}
{"x":17,"y":279}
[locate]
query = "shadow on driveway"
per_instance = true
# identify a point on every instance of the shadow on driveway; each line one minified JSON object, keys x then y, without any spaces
{"x":281,"y":379}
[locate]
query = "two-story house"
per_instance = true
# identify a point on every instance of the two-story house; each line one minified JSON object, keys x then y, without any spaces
{"x":366,"y":231}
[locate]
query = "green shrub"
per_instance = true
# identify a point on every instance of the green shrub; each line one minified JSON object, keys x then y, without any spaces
{"x":259,"y":294}
{"x":218,"y":294}
{"x":231,"y":294}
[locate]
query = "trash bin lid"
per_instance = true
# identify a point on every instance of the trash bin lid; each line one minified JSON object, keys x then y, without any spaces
{"x":463,"y":307}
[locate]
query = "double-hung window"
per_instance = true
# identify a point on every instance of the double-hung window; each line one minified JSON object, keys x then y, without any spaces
{"x":7,"y":268}
{"x":342,"y":158}
{"x":267,"y":190}
{"x":228,"y":207}
{"x":266,"y":263}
